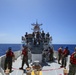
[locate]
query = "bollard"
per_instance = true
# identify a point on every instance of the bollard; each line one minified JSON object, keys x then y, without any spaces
{"x":28,"y":71}
{"x":36,"y":69}
{"x":65,"y":71}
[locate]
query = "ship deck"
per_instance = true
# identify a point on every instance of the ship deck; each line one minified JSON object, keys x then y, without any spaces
{"x":48,"y":68}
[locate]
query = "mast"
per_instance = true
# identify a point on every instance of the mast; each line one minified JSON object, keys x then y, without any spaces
{"x":36,"y":27}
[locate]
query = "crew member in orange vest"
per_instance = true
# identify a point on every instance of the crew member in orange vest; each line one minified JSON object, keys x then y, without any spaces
{"x":59,"y":54}
{"x":72,"y":66}
{"x":8,"y":59}
{"x":64,"y":57}
{"x":51,"y":54}
{"x":25,"y":57}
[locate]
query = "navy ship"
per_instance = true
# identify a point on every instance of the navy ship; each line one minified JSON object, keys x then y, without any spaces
{"x":38,"y":43}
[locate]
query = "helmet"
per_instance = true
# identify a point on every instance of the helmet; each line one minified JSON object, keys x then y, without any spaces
{"x":66,"y":47}
{"x":75,"y":48}
{"x":9,"y":48}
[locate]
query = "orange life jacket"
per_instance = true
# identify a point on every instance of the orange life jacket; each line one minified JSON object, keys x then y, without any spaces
{"x":65,"y":52}
{"x":60,"y":51}
{"x":24,"y":52}
{"x":9,"y":54}
{"x":73,"y":58}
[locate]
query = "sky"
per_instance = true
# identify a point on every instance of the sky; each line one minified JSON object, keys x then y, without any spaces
{"x":57,"y":16}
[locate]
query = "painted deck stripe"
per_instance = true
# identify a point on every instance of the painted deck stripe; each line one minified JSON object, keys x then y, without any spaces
{"x":51,"y":69}
{"x":40,"y":73}
{"x":42,"y":70}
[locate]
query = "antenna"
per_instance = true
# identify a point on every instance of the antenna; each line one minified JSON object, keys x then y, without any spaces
{"x":36,"y":26}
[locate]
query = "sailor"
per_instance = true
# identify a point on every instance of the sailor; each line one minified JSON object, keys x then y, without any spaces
{"x":26,"y":36}
{"x":25,"y":57}
{"x":59,"y":54}
{"x":72,"y":66}
{"x":43,"y":35}
{"x":43,"y":55}
{"x":64,"y":57}
{"x":38,"y":35}
{"x":51,"y":54}
{"x":8,"y":59}
{"x":47,"y":35}
{"x":35,"y":41}
{"x":33,"y":34}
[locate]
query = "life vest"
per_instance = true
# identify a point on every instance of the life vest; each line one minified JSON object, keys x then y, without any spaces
{"x":9,"y":54}
{"x":60,"y":51}
{"x":65,"y":52}
{"x":73,"y":58}
{"x":24,"y":52}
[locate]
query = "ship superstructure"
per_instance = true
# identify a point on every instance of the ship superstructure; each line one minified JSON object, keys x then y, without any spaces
{"x":37,"y":41}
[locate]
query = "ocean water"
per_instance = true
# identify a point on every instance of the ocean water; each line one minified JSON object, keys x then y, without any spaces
{"x":71,"y":47}
{"x":16,"y":47}
{"x":4,"y":48}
